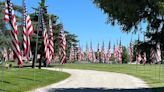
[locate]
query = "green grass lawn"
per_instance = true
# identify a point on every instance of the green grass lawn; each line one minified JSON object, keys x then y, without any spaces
{"x":149,"y":73}
{"x":18,"y":80}
{"x":25,"y":79}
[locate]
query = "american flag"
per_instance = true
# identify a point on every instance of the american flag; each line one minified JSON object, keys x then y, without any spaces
{"x":87,"y":53}
{"x":131,"y":51}
{"x":45,"y":36}
{"x":72,"y":53}
{"x":152,"y":56}
{"x":91,"y":53}
{"x":11,"y":54}
{"x":108,"y":54}
{"x":138,"y":57}
{"x":158,"y":53}
{"x":115,"y":53}
{"x":5,"y":54}
{"x":51,"y":41}
{"x":82,"y":54}
{"x":98,"y":53}
{"x":62,"y":50}
{"x":79,"y":53}
{"x":103,"y":53}
{"x":94,"y":57}
{"x":27,"y":32}
{"x":10,"y":17}
{"x":120,"y":53}
{"x":144,"y":58}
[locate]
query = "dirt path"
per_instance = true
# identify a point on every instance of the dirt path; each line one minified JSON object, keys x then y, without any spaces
{"x":96,"y":81}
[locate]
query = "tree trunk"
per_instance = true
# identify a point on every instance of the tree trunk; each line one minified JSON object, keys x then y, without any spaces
{"x":40,"y":62}
{"x":33,"y":62}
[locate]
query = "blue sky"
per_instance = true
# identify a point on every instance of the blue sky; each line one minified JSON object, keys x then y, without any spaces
{"x":84,"y":19}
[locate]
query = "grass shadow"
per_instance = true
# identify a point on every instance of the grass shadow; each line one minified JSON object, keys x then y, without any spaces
{"x":28,"y":79}
{"x":5,"y":82}
{"x":2,"y":90}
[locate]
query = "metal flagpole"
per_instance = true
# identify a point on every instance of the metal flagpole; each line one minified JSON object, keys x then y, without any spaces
{"x":2,"y":80}
{"x":159,"y":71}
{"x":36,"y":47}
{"x":160,"y":60}
{"x":98,"y":52}
{"x":131,"y":49}
{"x":138,"y":53}
{"x":155,"y":71}
{"x":24,"y":30}
{"x":87,"y":53}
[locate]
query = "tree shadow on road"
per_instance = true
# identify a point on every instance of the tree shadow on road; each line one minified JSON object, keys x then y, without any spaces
{"x":158,"y":89}
{"x":98,"y":90}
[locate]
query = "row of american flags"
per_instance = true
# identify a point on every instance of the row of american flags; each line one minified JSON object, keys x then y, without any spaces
{"x":89,"y":55}
{"x":27,"y":29}
{"x":102,"y":56}
{"x":96,"y":56}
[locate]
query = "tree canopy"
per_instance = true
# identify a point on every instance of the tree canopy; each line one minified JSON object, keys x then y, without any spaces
{"x":130,"y":13}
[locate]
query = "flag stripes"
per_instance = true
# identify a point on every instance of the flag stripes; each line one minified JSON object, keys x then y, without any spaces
{"x":103,"y":54}
{"x":46,"y":42}
{"x":62,"y":43}
{"x":138,"y":56}
{"x":144,"y":58}
{"x":87,"y":53}
{"x":98,"y":53}
{"x":158,"y":52}
{"x":91,"y":53}
{"x":51,"y":41}
{"x":45,"y":35}
{"x":82,"y":55}
{"x":27,"y":31}
{"x":10,"y":17}
{"x":131,"y":51}
{"x":120,"y":53}
{"x":108,"y":54}
{"x":79,"y":53}
{"x":152,"y":56}
{"x":72,"y":55}
{"x":94,"y":58}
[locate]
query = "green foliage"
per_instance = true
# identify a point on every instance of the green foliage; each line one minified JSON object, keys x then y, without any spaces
{"x":130,"y":13}
{"x":70,"y":38}
{"x":112,"y":57}
{"x":125,"y":55}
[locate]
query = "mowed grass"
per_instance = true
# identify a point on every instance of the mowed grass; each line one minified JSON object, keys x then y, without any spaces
{"x":26,"y":79}
{"x":152,"y":74}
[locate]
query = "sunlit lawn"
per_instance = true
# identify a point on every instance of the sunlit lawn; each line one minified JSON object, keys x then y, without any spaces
{"x":25,"y":79}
